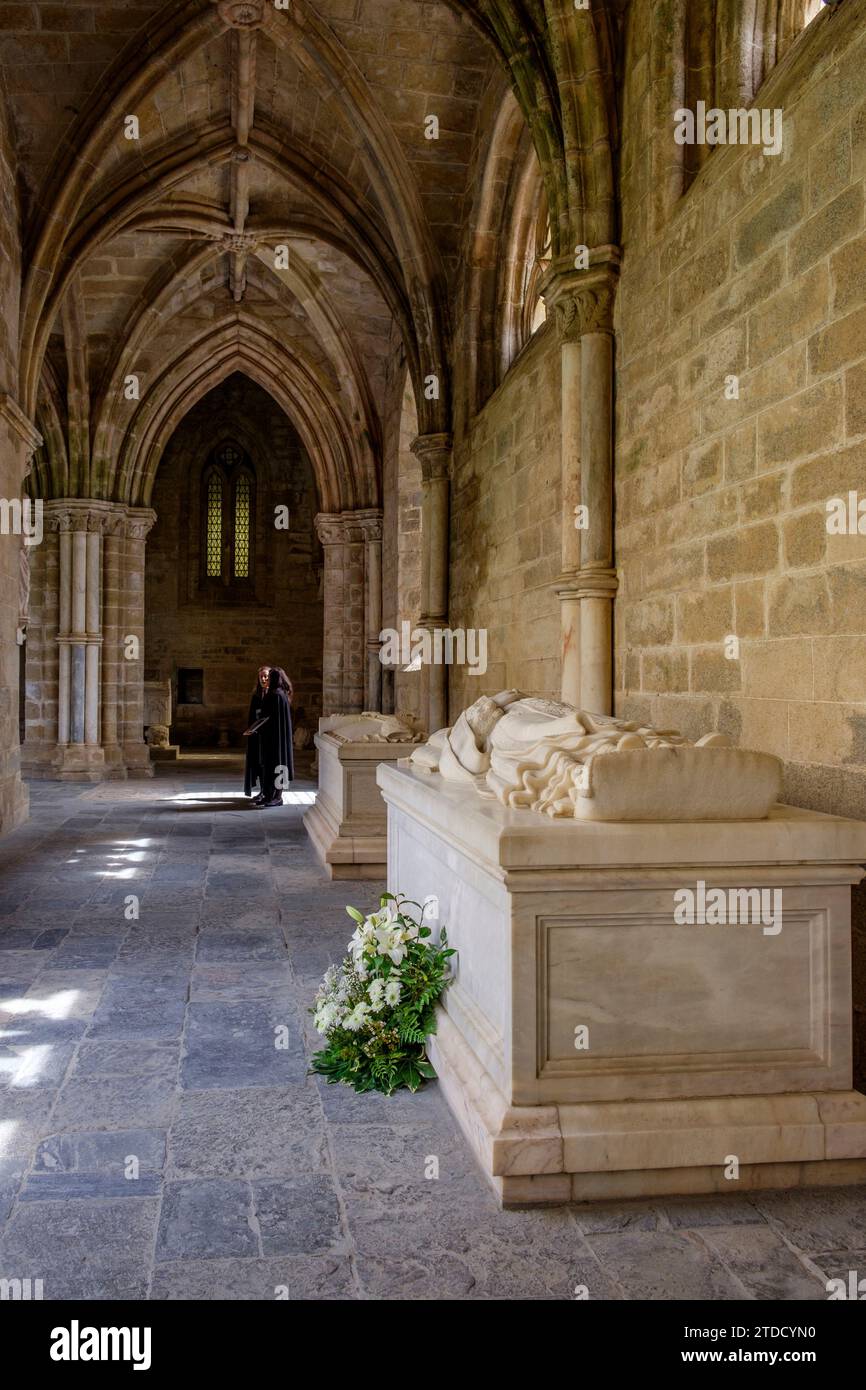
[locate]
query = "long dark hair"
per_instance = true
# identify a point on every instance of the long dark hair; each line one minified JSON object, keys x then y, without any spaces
{"x":281,"y":682}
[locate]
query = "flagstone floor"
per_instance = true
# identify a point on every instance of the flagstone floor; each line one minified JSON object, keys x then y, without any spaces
{"x":155,"y":1142}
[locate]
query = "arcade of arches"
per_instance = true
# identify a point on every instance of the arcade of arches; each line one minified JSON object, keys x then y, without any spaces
{"x":324,"y":263}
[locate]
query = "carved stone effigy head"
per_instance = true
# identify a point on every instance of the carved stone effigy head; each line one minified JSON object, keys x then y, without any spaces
{"x":542,"y":755}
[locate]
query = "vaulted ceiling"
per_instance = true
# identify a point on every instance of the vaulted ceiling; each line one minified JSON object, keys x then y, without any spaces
{"x":280,"y":208}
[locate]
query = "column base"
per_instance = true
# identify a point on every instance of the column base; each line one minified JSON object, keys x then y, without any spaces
{"x":613,"y":1150}
{"x":78,"y":762}
{"x":115,"y":767}
{"x":14,"y":803}
{"x":137,"y":759}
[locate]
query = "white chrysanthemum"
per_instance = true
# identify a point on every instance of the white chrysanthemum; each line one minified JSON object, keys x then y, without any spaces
{"x":392,"y":993}
{"x":376,"y":994}
{"x":357,"y":1017}
{"x":326,"y":1017}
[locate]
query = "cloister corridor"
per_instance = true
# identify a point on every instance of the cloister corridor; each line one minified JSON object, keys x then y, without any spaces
{"x":433,"y":482}
{"x":155,"y":1038}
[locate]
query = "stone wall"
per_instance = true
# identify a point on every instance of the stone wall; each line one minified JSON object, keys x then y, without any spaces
{"x":505,"y":529}
{"x":758,"y":273}
{"x":741,"y":409}
{"x":281,"y":620}
{"x":13,"y":462}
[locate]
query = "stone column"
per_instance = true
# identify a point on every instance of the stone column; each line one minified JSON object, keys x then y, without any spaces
{"x":19,"y":440}
{"x":370,"y":522}
{"x":329,"y":529}
{"x":354,"y":612}
{"x":434,"y":454}
{"x":113,"y":558}
{"x":136,"y":754}
{"x":78,"y":634}
{"x":93,"y":629}
{"x":64,"y":623}
{"x":42,"y":652}
{"x":587,"y":585}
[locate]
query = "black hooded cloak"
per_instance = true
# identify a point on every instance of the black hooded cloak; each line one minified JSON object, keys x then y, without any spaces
{"x":275,"y":739}
{"x":253,"y":762}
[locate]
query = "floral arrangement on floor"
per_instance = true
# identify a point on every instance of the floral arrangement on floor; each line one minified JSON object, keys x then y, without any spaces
{"x":378,"y":1008}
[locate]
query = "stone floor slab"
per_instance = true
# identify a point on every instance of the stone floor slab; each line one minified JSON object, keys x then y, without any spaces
{"x":204,"y":1220}
{"x":260,"y":1181}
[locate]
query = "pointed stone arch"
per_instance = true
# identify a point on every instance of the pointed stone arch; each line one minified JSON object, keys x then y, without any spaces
{"x":343,"y":477}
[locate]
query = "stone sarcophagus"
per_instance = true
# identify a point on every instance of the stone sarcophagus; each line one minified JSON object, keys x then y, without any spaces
{"x":639,"y":1006}
{"x":157,"y":719}
{"x":348,"y":823}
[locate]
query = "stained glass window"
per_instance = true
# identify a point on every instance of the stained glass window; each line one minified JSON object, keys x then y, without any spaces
{"x":214,"y":525}
{"x":228,"y":513}
{"x":243,"y":493}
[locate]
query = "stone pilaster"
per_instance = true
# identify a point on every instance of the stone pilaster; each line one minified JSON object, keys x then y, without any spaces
{"x":329,"y":529}
{"x":583,"y":303}
{"x":354,"y":612}
{"x":352,"y":596}
{"x":434,"y":453}
{"x":136,"y":755}
{"x":19,"y":440}
{"x":370,"y":523}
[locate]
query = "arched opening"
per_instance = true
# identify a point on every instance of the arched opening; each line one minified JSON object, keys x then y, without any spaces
{"x":233,"y":563}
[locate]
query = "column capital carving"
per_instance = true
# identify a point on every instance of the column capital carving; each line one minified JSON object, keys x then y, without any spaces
{"x":21,"y":426}
{"x":95,"y":516}
{"x":583,"y":300}
{"x":329,"y":528}
{"x":369,"y":520}
{"x":57,"y":516}
{"x":434,"y":453}
{"x":139,"y":521}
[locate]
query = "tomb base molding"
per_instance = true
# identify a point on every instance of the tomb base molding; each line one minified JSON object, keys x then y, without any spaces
{"x":591,"y":1045}
{"x":348,"y":823}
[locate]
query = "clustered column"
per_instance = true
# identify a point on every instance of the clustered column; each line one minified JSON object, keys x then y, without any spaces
{"x":588,"y":583}
{"x":98,"y":632}
{"x":79,"y":637}
{"x":434,"y":454}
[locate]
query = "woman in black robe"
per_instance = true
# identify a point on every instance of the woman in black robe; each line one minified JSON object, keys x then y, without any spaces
{"x":275,"y":738}
{"x":253,"y":764}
